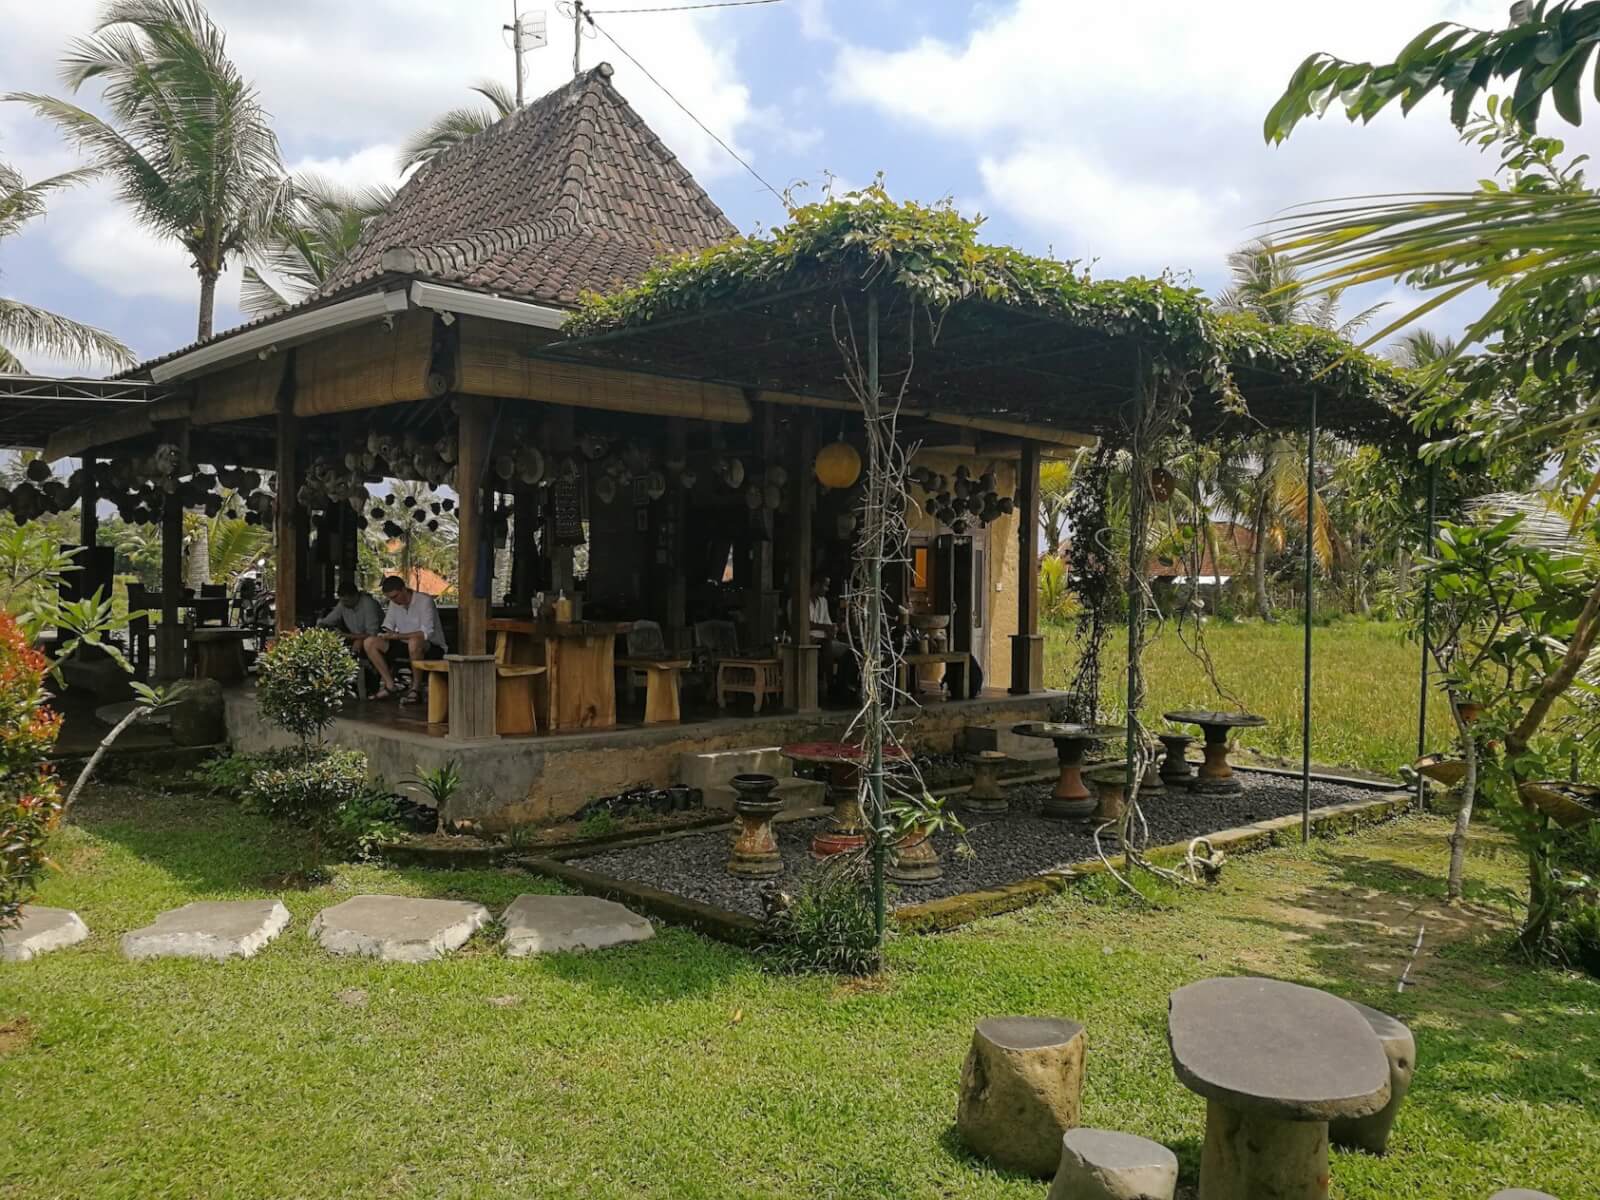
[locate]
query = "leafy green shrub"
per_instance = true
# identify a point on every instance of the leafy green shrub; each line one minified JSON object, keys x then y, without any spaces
{"x":30,"y":800}
{"x":302,"y":682}
{"x":310,"y":791}
{"x":363,"y":823}
{"x":599,"y":823}
{"x":829,"y":927}
{"x":1579,"y":936}
{"x":437,"y":785}
{"x":230,"y":774}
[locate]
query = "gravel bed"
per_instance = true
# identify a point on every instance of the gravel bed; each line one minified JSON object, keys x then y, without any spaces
{"x":1005,"y":849}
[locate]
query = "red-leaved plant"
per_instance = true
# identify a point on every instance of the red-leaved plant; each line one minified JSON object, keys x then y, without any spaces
{"x":30,"y":798}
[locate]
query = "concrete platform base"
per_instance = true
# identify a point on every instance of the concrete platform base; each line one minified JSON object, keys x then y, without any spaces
{"x":41,"y":931}
{"x":547,"y":924}
{"x":215,"y":929}
{"x":398,"y":928}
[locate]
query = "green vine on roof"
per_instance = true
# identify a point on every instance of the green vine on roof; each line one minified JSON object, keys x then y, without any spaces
{"x":932,"y":255}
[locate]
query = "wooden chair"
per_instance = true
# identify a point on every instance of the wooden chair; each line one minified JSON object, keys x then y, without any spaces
{"x":647,"y":655}
{"x":513,"y":691}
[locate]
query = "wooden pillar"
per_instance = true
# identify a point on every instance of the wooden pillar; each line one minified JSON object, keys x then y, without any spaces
{"x":473,"y":540}
{"x":288,"y":522}
{"x":677,"y":500}
{"x":1027,"y":647}
{"x":170,"y":662}
{"x":88,"y":498}
{"x":761,"y":608}
{"x":561,"y":438}
{"x":800,"y":678}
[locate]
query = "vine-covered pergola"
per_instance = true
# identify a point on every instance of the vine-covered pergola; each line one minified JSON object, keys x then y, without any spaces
{"x":888,"y":309}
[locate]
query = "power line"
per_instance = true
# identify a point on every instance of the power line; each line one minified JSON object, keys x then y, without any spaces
{"x":612,"y":12}
{"x":588,"y":15}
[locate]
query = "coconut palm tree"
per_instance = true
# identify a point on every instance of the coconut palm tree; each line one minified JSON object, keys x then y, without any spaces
{"x":314,"y":234}
{"x":457,"y":125}
{"x":187,"y":142}
{"x":1420,"y":349}
{"x":25,"y":328}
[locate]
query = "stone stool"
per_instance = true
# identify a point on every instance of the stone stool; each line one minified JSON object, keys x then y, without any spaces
{"x":1110,"y":782}
{"x":1021,"y":1087}
{"x":1151,"y":781}
{"x":986,"y":797}
{"x":1175,"y":766}
{"x":1372,"y":1133}
{"x":1099,"y":1164}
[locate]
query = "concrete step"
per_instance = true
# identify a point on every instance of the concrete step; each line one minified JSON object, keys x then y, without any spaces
{"x":999,"y":737}
{"x":795,"y":794}
{"x":714,"y":769}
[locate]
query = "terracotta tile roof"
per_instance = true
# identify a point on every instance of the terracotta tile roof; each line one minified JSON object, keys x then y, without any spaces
{"x":572,"y":193}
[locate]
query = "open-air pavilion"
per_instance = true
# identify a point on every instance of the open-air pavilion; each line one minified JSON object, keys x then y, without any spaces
{"x":656,"y":456}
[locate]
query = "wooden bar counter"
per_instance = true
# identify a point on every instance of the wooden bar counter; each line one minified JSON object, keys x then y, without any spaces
{"x":580,"y":689}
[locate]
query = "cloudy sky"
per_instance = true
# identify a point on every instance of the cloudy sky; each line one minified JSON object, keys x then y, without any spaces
{"x":1128,"y":135}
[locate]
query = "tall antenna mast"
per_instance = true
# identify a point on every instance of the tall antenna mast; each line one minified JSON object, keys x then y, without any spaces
{"x":526,"y":34}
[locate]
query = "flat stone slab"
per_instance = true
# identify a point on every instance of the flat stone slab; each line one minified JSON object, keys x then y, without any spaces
{"x":1276,"y":1049}
{"x":398,"y":928}
{"x":215,"y":929}
{"x":41,"y":931}
{"x":1521,"y":1194}
{"x":545,"y":924}
{"x":1102,"y":1164}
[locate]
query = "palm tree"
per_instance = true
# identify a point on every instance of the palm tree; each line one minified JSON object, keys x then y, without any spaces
{"x":1055,"y":487}
{"x":187,"y":141}
{"x":24,"y":327}
{"x":1420,"y":349}
{"x":457,"y":125}
{"x":314,"y":234}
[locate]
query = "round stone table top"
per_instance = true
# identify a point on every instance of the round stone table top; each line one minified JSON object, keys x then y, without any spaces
{"x":1278,"y":1049}
{"x":1222,"y":720}
{"x":1057,"y":731}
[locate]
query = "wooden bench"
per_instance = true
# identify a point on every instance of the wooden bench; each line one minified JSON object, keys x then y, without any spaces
{"x":513,"y":691}
{"x":955,"y":675}
{"x":660,"y":686}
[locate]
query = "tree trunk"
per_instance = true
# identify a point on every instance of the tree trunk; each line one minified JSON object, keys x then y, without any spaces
{"x":1258,"y":560}
{"x":200,"y":555}
{"x":1469,"y":787}
{"x":208,"y":303}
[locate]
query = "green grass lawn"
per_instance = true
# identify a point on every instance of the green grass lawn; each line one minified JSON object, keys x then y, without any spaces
{"x":679,"y":1069}
{"x":1363,"y":693}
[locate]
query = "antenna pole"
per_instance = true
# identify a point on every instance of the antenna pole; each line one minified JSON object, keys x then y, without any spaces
{"x":577,"y":36}
{"x":515,"y":29}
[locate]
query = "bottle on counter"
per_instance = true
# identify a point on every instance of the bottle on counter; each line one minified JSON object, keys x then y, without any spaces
{"x":563,"y":609}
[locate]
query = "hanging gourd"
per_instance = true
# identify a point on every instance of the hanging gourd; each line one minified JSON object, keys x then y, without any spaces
{"x":1161,"y":484}
{"x":838,"y":465}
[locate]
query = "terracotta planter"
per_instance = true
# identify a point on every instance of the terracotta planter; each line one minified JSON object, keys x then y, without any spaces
{"x":755,"y":848}
{"x":913,"y":859}
{"x":1469,"y":710}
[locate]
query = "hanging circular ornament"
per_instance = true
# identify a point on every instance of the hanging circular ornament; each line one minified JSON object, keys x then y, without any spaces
{"x":752,"y":497}
{"x":530,"y":465}
{"x":655,"y":485}
{"x":838,"y":465}
{"x":687,"y":480}
{"x":733,"y":473}
{"x":37,"y":470}
{"x":772,"y":496}
{"x":505,"y":467}
{"x":777,"y":476}
{"x":605,"y":489}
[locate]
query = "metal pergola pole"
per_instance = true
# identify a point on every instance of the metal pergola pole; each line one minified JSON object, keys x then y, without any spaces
{"x":1427,"y":624}
{"x":1305,"y":709}
{"x":1135,"y":593}
{"x":874,"y":618}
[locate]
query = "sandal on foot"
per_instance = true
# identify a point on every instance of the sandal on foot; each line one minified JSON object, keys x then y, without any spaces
{"x":385,"y":693}
{"x":411,"y":697}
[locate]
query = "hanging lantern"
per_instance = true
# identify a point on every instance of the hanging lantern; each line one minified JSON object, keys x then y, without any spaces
{"x":1161,"y":484}
{"x":838,"y":465}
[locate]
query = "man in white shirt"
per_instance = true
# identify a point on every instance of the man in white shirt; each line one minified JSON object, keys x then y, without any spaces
{"x":825,"y":631}
{"x":412,"y":619}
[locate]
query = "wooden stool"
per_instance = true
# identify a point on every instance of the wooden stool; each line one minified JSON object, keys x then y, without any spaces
{"x":438,"y":672}
{"x":513,"y":698}
{"x":661,"y":687}
{"x":760,"y":677}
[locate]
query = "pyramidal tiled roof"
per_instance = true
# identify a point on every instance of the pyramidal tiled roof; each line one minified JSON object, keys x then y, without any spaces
{"x":569,"y":194}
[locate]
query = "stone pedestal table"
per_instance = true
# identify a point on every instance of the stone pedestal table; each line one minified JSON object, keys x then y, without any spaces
{"x":845,"y":762}
{"x":1071,"y":799}
{"x":1216,"y":773}
{"x":1276,"y":1062}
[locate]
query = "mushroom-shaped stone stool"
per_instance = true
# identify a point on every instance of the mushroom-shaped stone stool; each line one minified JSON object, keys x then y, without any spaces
{"x":1110,"y":782}
{"x":1521,"y":1194}
{"x":1021,"y":1087}
{"x":1175,"y":766}
{"x":1372,"y":1133}
{"x":755,"y":849}
{"x":1099,"y":1164}
{"x":986,"y":797}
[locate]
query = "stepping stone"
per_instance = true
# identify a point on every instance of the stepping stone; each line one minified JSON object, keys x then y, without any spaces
{"x":398,"y":928}
{"x":1521,"y":1194}
{"x":1372,"y":1133}
{"x":1100,"y":1164}
{"x":545,"y":924}
{"x":216,"y":929}
{"x":1020,"y":1091}
{"x":41,"y":931}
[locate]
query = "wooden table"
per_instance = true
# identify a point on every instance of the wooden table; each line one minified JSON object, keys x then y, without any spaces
{"x":579,"y":657}
{"x":1071,"y":799}
{"x":955,"y":674}
{"x":1216,"y":773}
{"x":1275,"y":1062}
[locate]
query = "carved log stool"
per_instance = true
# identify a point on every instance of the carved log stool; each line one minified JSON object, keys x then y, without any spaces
{"x":986,"y":797}
{"x":1099,"y":1164}
{"x":1110,"y":782}
{"x":755,"y":849}
{"x":1021,"y":1088}
{"x":1372,"y":1133}
{"x":1175,"y":766}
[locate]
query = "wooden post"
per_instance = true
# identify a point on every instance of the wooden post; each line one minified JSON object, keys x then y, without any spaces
{"x":170,"y":653}
{"x":288,"y":521}
{"x":472,"y":679}
{"x":800,"y":674}
{"x":760,"y":610}
{"x":88,"y":517}
{"x":1027,"y":647}
{"x":524,"y":533}
{"x":472,"y":562}
{"x":677,"y":608}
